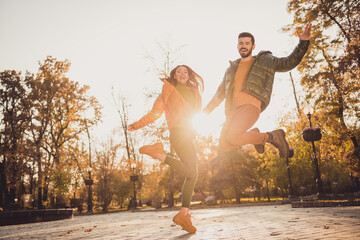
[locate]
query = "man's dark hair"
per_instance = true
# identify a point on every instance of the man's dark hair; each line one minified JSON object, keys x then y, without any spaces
{"x":247,"y":34}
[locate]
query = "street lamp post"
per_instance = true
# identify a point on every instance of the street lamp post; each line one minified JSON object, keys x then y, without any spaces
{"x":134,"y":178}
{"x":291,"y":191}
{"x":89,"y":182}
{"x":308,"y":110}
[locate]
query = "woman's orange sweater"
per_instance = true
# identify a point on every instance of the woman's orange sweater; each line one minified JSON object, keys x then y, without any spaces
{"x":172,"y":102}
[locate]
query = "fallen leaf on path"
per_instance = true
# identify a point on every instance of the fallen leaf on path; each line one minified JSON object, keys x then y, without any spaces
{"x":220,"y":230}
{"x":275,"y":234}
{"x":88,"y":230}
{"x":326,"y":227}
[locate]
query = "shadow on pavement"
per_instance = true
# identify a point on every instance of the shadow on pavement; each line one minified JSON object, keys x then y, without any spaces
{"x":184,"y":236}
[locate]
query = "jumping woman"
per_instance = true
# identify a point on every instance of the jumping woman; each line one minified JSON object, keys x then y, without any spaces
{"x":180,"y":99}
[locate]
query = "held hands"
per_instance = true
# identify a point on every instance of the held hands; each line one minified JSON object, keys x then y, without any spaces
{"x":306,"y":34}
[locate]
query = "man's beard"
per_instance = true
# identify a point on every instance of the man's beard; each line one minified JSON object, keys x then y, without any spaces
{"x":245,"y":54}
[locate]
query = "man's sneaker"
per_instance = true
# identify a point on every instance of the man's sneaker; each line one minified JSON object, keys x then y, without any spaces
{"x":184,"y":222}
{"x":152,"y":150}
{"x":259,"y":147}
{"x":277,"y":138}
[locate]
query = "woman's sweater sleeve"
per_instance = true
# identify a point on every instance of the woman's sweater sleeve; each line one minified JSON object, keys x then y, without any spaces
{"x":155,"y":113}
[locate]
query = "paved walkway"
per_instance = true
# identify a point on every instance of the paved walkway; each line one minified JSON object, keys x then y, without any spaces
{"x":255,"y":222}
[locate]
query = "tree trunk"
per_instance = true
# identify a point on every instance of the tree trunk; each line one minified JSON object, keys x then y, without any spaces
{"x":39,"y":199}
{"x":267,"y":190}
{"x":45,"y":193}
{"x":1,"y":196}
{"x":52,"y":200}
{"x":171,"y":182}
{"x":237,"y":195}
{"x":12,"y":196}
{"x":40,"y":184}
{"x":32,"y":183}
{"x":355,"y":181}
{"x":45,"y":190}
{"x":21,"y":195}
{"x":171,"y":191}
{"x":5,"y":198}
{"x":295,"y":96}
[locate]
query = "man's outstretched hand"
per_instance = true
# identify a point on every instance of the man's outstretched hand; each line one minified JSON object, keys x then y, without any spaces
{"x":306,"y":34}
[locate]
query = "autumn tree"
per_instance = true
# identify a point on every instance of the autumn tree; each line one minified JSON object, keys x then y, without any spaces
{"x":332,"y":168}
{"x":122,"y":109}
{"x":234,"y":173}
{"x":123,"y":188}
{"x":106,"y":165}
{"x":56,"y":109}
{"x":206,"y":147}
{"x":74,"y":112}
{"x":331,"y":69}
{"x":80,"y":154}
{"x":13,"y":124}
{"x":41,"y":113}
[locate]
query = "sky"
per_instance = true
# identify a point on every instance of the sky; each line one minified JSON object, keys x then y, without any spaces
{"x":107,"y":42}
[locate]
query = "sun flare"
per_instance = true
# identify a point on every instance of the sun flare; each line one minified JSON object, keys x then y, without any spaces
{"x":206,"y":124}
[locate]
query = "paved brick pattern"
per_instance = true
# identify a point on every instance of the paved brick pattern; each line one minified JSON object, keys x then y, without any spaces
{"x":242,"y":223}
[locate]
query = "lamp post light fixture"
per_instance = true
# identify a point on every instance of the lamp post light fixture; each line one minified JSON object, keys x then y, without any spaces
{"x":89,"y":182}
{"x":311,"y":135}
{"x":134,"y":178}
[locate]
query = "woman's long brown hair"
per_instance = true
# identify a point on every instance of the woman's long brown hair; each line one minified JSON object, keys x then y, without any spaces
{"x":195,"y":80}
